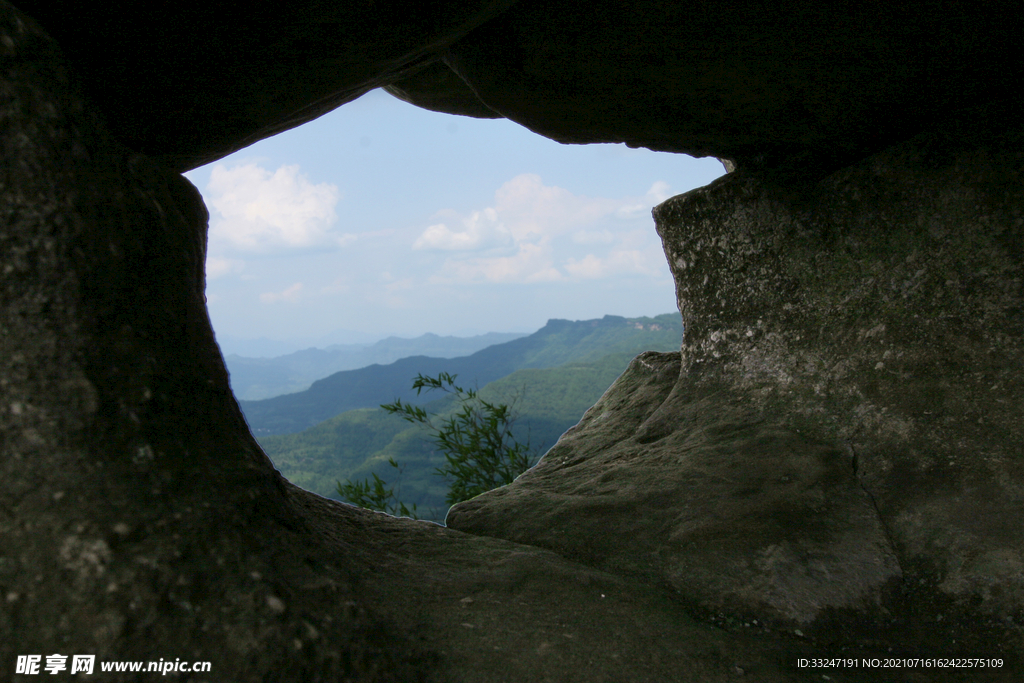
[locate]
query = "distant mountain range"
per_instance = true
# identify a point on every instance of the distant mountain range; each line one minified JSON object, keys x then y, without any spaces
{"x":262,"y":347}
{"x":260,"y":378}
{"x":557,"y":343}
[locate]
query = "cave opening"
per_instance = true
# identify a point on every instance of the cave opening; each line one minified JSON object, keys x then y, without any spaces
{"x":382,"y":226}
{"x":381,"y":218}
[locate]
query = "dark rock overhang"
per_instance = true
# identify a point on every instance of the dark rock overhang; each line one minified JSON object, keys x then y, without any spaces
{"x":798,"y":83}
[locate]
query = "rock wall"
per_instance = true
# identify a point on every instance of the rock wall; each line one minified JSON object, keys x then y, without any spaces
{"x":764,"y":84}
{"x":131,"y":488}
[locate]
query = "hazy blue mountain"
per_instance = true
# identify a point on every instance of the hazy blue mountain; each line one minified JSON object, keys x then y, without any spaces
{"x":260,"y":378}
{"x":255,"y":348}
{"x":263,"y":347}
{"x":358,"y":443}
{"x":557,"y":343}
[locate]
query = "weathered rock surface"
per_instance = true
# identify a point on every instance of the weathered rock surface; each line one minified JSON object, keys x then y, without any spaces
{"x":686,"y":489}
{"x":841,"y":437}
{"x":119,"y":537}
{"x":140,"y":521}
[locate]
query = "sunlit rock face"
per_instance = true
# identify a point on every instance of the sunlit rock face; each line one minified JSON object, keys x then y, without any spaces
{"x":880,"y":311}
{"x":745,"y":520}
{"x":840,"y":439}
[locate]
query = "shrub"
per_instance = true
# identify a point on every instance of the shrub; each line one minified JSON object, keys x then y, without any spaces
{"x":480,"y":450}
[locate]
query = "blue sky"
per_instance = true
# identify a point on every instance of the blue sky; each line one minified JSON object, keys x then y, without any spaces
{"x":381,"y":219}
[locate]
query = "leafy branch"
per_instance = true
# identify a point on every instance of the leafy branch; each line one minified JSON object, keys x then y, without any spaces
{"x":480,"y":451}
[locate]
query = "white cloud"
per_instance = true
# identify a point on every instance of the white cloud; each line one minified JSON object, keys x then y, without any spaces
{"x":593,"y":237}
{"x":621,"y":262}
{"x":528,"y":207}
{"x":254,"y":210}
{"x":631,"y":211}
{"x":481,"y":230}
{"x":590,"y":267}
{"x":532,"y":263}
{"x":659,"y":192}
{"x":290,"y":294}
{"x":535,"y":225}
{"x":219,"y":267}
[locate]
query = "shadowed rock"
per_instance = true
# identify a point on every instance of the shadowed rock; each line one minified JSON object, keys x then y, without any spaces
{"x":139,"y":519}
{"x":437,"y":88}
{"x":792,"y":83}
{"x":797,"y":83}
{"x":188,"y":83}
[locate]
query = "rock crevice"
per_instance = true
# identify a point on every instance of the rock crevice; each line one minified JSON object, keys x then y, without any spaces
{"x":878,"y":512}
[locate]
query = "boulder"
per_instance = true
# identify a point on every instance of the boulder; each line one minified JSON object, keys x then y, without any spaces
{"x":839,"y":441}
{"x":677,"y":487}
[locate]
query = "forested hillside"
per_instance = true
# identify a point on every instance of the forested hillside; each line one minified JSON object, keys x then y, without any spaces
{"x":260,"y":378}
{"x":359,"y":442}
{"x":557,"y":343}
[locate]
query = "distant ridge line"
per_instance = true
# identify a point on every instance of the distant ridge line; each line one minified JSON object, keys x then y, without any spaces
{"x":558,"y":342}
